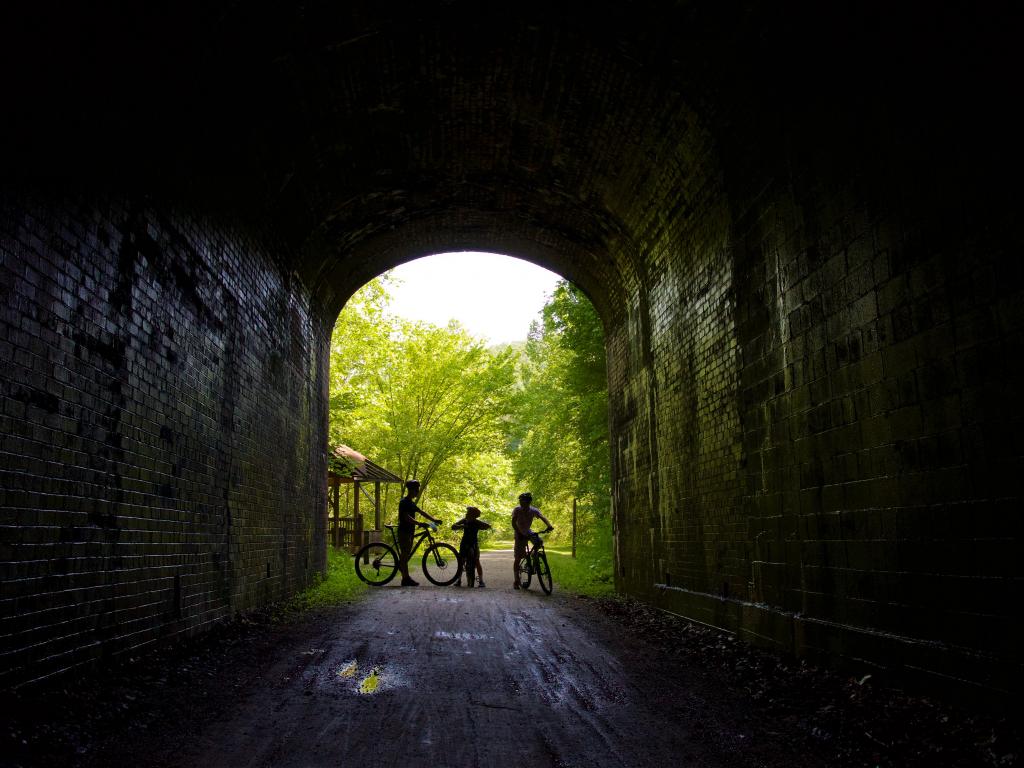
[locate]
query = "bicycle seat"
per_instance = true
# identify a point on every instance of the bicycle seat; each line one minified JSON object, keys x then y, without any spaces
{"x":392,"y":527}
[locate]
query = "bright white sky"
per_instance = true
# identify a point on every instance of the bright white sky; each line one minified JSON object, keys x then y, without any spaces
{"x":494,"y":297}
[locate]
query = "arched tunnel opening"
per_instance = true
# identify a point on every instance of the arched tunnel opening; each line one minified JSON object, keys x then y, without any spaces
{"x":801,"y":253}
{"x":479,"y":375}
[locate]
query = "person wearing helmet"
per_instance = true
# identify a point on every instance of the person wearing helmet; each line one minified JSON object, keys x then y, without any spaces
{"x":522,"y":520}
{"x":407,"y":511}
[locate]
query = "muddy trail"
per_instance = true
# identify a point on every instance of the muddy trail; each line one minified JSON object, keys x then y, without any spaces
{"x":485,"y":677}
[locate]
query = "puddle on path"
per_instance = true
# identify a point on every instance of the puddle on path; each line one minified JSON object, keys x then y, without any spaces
{"x":371,"y":682}
{"x":372,"y":679}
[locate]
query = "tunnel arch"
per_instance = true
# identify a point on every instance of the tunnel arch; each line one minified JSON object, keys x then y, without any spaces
{"x":484,"y":232}
{"x":801,"y":253}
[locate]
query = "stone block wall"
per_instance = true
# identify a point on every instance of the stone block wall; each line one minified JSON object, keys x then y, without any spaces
{"x":879,"y":411}
{"x":162,"y":428}
{"x":815,"y":425}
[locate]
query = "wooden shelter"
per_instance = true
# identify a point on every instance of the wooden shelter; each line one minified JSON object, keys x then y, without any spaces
{"x":349,"y":468}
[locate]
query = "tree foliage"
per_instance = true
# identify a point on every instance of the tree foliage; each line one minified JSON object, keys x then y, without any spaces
{"x":422,"y":401}
{"x":476,"y":425}
{"x":443,"y":395}
{"x":363,"y":330}
{"x":561,"y":431}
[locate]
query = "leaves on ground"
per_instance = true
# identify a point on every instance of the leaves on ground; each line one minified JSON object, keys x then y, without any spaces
{"x":845,"y":720}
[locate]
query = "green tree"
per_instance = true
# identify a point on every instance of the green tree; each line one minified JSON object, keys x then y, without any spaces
{"x":362,"y":335}
{"x":484,"y":480}
{"x":435,"y":404}
{"x":422,"y":401}
{"x":439,"y":395}
{"x":560,"y":438}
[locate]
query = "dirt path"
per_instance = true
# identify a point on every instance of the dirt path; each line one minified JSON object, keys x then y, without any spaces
{"x":485,"y":677}
{"x":481,"y":677}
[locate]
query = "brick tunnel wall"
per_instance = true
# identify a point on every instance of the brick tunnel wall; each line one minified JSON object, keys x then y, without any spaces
{"x":162,"y":429}
{"x":791,"y":223}
{"x":814,"y":418}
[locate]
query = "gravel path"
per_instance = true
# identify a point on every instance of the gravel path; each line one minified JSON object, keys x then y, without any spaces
{"x":466,"y":677}
{"x":486,"y":677}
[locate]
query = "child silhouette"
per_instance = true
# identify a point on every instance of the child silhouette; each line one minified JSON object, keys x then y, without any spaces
{"x":469,"y":547}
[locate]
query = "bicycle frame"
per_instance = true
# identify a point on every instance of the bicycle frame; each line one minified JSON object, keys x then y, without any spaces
{"x":417,"y":540}
{"x":441,"y":563}
{"x":535,"y":548}
{"x":534,"y":562}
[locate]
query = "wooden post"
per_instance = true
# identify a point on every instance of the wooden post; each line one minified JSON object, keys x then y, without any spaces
{"x":574,"y":528}
{"x":376,"y":505}
{"x":357,"y":519}
{"x":336,"y":508}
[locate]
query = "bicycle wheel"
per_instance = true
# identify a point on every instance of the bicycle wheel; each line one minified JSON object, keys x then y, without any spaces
{"x":525,"y":572}
{"x":543,"y":572}
{"x":376,"y":563}
{"x":441,"y":564}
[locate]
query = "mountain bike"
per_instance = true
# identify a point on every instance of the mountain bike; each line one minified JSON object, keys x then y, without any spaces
{"x":377,"y":562}
{"x":535,"y":563}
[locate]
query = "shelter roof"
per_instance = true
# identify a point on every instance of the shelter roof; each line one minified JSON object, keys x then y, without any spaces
{"x":349,"y":466}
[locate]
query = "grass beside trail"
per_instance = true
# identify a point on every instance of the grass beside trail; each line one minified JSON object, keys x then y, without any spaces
{"x":589,"y":574}
{"x":341,"y":586}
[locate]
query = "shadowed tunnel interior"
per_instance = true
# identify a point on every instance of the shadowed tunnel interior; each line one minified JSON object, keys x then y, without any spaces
{"x":792,"y":220}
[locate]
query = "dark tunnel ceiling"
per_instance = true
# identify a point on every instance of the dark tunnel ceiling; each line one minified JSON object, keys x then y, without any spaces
{"x":377,"y":132}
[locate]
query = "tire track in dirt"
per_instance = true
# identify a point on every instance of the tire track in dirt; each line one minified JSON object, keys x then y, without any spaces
{"x":462,"y":677}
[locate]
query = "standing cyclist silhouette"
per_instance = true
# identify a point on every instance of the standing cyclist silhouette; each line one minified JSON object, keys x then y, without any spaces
{"x":407,"y":511}
{"x":522,"y":519}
